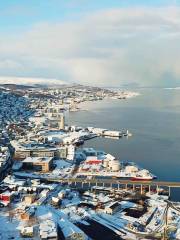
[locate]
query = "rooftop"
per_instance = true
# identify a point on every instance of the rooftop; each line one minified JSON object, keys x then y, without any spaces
{"x":37,"y":159}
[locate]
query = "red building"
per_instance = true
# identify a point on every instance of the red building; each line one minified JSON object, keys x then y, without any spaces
{"x":5,"y":196}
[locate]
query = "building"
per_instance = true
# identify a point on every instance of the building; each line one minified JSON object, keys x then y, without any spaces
{"x":71,"y":231}
{"x":25,"y":150}
{"x":114,"y":165}
{"x":62,"y":122}
{"x":93,"y":160}
{"x":56,"y":120}
{"x":112,"y":208}
{"x":27,"y":214}
{"x":43,"y":152}
{"x":27,"y":232}
{"x":29,"y":199}
{"x":6,"y":196}
{"x":21,"y":154}
{"x":43,"y":164}
{"x":48,"y":230}
{"x":70,"y":152}
{"x":20,"y":151}
{"x":61,"y":153}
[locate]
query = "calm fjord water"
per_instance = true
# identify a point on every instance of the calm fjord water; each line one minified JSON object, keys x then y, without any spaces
{"x":154,"y":120}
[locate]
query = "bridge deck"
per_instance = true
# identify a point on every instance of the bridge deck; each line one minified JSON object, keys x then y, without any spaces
{"x":116,"y":181}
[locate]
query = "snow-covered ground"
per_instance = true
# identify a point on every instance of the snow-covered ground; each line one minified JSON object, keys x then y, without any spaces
{"x":8,"y":227}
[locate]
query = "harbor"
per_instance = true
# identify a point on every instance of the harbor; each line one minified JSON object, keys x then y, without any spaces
{"x":150,"y":146}
{"x":64,"y":186}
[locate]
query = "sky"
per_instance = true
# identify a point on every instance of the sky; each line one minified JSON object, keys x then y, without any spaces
{"x":109,"y":43}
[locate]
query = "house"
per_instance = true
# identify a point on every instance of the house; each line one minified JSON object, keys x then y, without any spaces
{"x":27,"y":232}
{"x":28,"y":214}
{"x":29,"y":199}
{"x":6,"y":196}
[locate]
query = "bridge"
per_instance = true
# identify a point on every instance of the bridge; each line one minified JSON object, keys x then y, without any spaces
{"x":117,"y":183}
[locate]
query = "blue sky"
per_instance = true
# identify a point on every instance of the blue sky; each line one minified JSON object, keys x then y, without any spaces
{"x":19,"y":14}
{"x":133,"y":42}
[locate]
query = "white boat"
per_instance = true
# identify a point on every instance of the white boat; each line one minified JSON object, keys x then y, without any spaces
{"x":142,"y":178}
{"x":143,"y":175}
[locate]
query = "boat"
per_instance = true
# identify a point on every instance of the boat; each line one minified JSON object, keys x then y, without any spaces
{"x":143,"y":175}
{"x":78,"y":142}
{"x":142,"y":178}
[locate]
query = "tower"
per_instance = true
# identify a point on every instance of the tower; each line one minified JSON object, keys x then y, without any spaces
{"x":62,"y":122}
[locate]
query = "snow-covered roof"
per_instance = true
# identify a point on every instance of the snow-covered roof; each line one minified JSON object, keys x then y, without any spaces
{"x":69,"y":228}
{"x":37,"y":159}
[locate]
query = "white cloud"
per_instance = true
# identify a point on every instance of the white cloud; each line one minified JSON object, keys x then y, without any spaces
{"x":111,"y":47}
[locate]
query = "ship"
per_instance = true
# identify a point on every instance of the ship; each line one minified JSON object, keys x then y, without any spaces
{"x":143,"y":175}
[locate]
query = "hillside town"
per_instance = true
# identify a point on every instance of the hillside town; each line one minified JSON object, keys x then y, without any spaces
{"x":52,"y":187}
